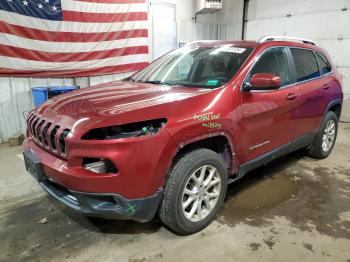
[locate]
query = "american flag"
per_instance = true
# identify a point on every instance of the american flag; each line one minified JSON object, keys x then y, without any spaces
{"x":72,"y":37}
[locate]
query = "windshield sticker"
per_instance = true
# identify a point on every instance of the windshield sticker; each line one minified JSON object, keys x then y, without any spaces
{"x":209,"y":120}
{"x":183,"y":68}
{"x":212,"y":82}
{"x":237,"y":50}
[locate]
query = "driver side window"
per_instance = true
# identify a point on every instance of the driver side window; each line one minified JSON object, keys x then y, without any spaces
{"x":273,"y":61}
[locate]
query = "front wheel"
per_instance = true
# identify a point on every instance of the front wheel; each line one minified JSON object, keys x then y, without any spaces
{"x":325,"y":140}
{"x":194,"y":192}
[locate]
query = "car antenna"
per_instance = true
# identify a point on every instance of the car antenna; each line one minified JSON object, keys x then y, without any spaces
{"x":285,"y":32}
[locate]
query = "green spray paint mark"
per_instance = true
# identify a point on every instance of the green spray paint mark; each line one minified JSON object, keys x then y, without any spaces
{"x":212,"y":82}
{"x":131,"y":209}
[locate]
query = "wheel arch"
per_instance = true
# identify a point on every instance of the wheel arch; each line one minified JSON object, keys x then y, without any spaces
{"x":335,"y":106}
{"x":221,"y":143}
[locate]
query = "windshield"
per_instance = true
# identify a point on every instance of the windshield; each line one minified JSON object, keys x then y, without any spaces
{"x":208,"y":67}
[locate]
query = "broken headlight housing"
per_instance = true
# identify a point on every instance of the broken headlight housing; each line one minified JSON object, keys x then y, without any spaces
{"x":137,"y":129}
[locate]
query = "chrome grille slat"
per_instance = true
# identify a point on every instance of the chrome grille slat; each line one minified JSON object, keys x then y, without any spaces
{"x":57,"y":141}
{"x":39,"y":131}
{"x":51,"y":136}
{"x":45,"y":134}
{"x":30,"y":122}
{"x":30,"y":118}
{"x":34,"y":127}
{"x":62,"y":140}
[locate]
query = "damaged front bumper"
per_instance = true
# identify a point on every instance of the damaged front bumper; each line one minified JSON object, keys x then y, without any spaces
{"x":105,"y":205}
{"x":110,"y":206}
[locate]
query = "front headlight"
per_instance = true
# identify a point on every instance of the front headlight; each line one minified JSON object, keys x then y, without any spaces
{"x":136,"y":129}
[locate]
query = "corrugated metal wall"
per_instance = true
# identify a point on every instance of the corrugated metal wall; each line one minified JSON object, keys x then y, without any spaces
{"x":229,"y":20}
{"x":326,"y":22}
{"x":16,"y":98}
{"x":188,"y":31}
{"x":229,"y":32}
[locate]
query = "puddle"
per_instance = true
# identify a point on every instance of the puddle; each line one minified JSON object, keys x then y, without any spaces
{"x":258,"y":193}
{"x":265,"y":193}
{"x":311,"y":197}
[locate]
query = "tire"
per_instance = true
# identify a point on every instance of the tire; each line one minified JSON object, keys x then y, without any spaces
{"x":172,"y":210}
{"x":318,"y":149}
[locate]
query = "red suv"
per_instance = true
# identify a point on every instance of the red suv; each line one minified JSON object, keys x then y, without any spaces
{"x":170,"y":138}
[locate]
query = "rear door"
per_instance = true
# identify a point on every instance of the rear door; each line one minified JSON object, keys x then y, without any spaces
{"x":313,"y":89}
{"x":269,"y":117}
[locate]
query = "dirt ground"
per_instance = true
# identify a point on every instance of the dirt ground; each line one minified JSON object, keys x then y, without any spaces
{"x":294,"y":209}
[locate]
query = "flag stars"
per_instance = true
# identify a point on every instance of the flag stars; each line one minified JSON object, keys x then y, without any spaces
{"x":9,"y":1}
{"x":25,"y":3}
{"x":40,"y":6}
{"x":54,"y":8}
{"x":47,"y":1}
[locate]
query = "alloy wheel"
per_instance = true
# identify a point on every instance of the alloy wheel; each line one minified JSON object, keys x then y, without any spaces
{"x":328,"y":136}
{"x":201,"y":193}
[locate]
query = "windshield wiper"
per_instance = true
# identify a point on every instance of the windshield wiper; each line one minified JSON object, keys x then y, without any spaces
{"x":156,"y":82}
{"x":128,"y":79}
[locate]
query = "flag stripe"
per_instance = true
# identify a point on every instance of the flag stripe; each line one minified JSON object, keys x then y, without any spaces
{"x":66,"y":47}
{"x":115,"y":1}
{"x":23,"y":64}
{"x":36,"y":34}
{"x":105,"y":18}
{"x":90,"y":7}
{"x":67,"y":26}
{"x":130,"y":67}
{"x":23,"y":53}
{"x":72,"y":37}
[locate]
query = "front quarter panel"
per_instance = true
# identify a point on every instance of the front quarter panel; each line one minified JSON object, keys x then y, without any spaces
{"x":212,"y":114}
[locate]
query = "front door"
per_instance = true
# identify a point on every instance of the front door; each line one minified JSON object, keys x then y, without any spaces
{"x":269,"y":116}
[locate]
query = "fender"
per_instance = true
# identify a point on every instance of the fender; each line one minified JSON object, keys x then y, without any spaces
{"x":203,"y":137}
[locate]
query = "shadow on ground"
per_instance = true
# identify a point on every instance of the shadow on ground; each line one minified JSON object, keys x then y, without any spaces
{"x":64,"y":232}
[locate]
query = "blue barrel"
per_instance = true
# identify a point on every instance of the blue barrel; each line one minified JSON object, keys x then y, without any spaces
{"x":41,"y":94}
{"x":57,"y":90}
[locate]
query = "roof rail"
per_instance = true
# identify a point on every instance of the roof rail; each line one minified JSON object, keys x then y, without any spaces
{"x":285,"y":38}
{"x":201,"y":41}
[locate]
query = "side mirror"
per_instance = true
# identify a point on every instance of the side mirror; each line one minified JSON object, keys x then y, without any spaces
{"x":263,"y":81}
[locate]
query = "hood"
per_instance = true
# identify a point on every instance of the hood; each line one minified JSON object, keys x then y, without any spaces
{"x":113,"y":99}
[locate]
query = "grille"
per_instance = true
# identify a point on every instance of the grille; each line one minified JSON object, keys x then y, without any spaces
{"x":48,"y":135}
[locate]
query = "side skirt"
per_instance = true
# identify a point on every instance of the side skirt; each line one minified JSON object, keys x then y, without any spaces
{"x":264,"y":159}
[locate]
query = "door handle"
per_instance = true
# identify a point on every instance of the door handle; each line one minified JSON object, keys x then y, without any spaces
{"x":291,"y":96}
{"x":326,"y":86}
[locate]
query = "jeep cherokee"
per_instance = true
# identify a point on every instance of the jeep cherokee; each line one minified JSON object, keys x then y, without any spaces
{"x":169,"y":139}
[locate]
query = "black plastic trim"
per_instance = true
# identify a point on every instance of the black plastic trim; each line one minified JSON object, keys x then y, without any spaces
{"x":285,"y":149}
{"x":105,"y":205}
{"x":333,"y":103}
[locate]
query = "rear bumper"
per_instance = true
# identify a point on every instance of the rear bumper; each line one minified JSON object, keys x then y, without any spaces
{"x":105,"y":205}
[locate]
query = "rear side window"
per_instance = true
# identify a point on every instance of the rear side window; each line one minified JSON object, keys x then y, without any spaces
{"x":325,"y":67}
{"x":305,"y":64}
